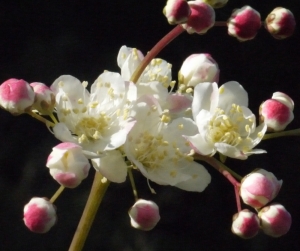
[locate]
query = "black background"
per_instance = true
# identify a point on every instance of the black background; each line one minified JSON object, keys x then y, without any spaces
{"x":41,"y":40}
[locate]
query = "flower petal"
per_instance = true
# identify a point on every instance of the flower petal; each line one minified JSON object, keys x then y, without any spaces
{"x":204,"y":95}
{"x":232,"y":93}
{"x":112,"y":166}
{"x":199,"y":178}
{"x":62,"y":133}
{"x":200,"y":145}
{"x":230,"y":151}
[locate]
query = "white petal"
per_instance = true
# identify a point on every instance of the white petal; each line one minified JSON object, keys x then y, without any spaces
{"x":112,"y":166}
{"x":199,"y":178}
{"x":62,"y":133}
{"x":200,"y":145}
{"x":204,"y":97}
{"x":178,"y":102}
{"x":232,"y":93}
{"x":230,"y":151}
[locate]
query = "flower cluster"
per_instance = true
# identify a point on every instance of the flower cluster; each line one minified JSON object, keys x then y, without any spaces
{"x":126,"y":121}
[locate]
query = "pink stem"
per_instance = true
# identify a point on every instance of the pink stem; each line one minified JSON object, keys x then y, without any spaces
{"x":155,"y":50}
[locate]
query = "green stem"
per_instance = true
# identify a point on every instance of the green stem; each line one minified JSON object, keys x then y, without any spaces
{"x":219,"y":166}
{"x":40,"y":118}
{"x":295,"y":132}
{"x":57,"y":193}
{"x":132,"y":184}
{"x":98,"y":190}
{"x":155,"y":50}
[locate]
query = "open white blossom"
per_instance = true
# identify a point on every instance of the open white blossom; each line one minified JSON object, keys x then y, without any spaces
{"x":158,"y":149}
{"x":225,"y":123}
{"x":98,"y":121}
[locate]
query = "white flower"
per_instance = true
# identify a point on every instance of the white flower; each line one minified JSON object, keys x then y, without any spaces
{"x":98,"y":121}
{"x":157,"y":148}
{"x":224,"y":122}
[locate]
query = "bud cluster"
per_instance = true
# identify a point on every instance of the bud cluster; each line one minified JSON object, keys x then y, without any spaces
{"x":257,"y":190}
{"x":199,"y":16}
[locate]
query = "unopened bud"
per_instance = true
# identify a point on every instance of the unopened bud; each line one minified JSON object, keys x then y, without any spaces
{"x":198,"y":68}
{"x":144,"y":215}
{"x":275,"y":220}
{"x":244,"y":23}
{"x":44,"y":98}
{"x":177,"y":11}
{"x":259,"y":188}
{"x":16,"y":96}
{"x":277,"y":112}
{"x":280,"y":23}
{"x":68,"y":165}
{"x":202,"y":17}
{"x":245,"y":224}
{"x":39,"y":215}
{"x":216,"y":3}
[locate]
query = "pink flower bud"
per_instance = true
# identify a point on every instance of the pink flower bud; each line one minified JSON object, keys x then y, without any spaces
{"x":39,"y":215}
{"x":44,"y":98}
{"x":144,"y":215}
{"x":277,"y":112}
{"x":216,"y":3}
{"x":68,"y":165}
{"x":177,"y":11}
{"x":275,"y":220}
{"x":198,"y":68}
{"x":245,"y":224}
{"x":244,"y":23}
{"x":259,"y":188}
{"x":280,"y":23}
{"x":202,"y":17}
{"x":16,"y":96}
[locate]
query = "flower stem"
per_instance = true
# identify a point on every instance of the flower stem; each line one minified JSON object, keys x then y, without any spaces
{"x":295,"y":132}
{"x":219,"y":166}
{"x":98,"y":190}
{"x":57,"y":193}
{"x":155,"y":50}
{"x":40,"y":118}
{"x":135,"y":194}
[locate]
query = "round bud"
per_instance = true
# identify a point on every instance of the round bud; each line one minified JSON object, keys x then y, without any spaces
{"x":198,"y":68}
{"x":280,"y":23}
{"x":16,"y":96}
{"x":244,"y":23}
{"x":144,"y":215}
{"x":245,"y":224}
{"x":277,"y":112}
{"x":44,"y":98}
{"x":259,"y":188}
{"x":68,"y":165}
{"x":39,"y":215}
{"x":202,"y":17}
{"x":275,"y":220}
{"x":177,"y":11}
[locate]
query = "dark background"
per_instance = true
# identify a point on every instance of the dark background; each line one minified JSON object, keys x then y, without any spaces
{"x":41,"y":40}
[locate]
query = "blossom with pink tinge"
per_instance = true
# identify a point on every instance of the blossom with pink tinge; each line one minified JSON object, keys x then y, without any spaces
{"x":16,"y":96}
{"x":259,"y":188}
{"x":277,"y":112}
{"x":245,"y":224}
{"x":68,"y":165}
{"x":244,"y":23}
{"x":198,"y":68}
{"x":177,"y":11}
{"x":216,"y":3}
{"x":44,"y":98}
{"x":39,"y":215}
{"x":202,"y":17}
{"x":275,"y":220}
{"x":280,"y":23}
{"x":144,"y":215}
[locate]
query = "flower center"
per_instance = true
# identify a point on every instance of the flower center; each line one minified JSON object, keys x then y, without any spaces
{"x":226,"y":128}
{"x":90,"y":128}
